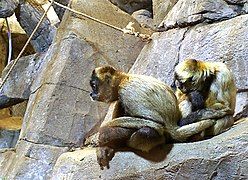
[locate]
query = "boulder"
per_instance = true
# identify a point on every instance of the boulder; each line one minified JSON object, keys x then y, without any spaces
{"x":144,"y":17}
{"x":221,"y":157}
{"x":7,"y":8}
{"x":28,"y":15}
{"x":17,"y":87}
{"x":29,"y":161}
{"x":185,"y":13}
{"x":160,"y":9}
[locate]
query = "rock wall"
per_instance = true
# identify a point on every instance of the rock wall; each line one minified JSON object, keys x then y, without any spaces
{"x":60,"y":115}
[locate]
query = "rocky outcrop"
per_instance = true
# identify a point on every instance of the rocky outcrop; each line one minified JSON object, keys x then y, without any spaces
{"x":7,"y":8}
{"x":59,"y":112}
{"x":186,"y":13}
{"x":28,"y":15}
{"x":60,"y":115}
{"x":224,"y":41}
{"x":29,"y":161}
{"x":221,"y":157}
{"x":17,"y":87}
{"x":160,"y":9}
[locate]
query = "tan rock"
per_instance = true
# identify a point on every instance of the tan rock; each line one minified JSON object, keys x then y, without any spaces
{"x":161,"y":9}
{"x":221,"y":157}
{"x":29,"y":161}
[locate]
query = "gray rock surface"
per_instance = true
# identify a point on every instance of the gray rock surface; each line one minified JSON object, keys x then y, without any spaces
{"x":221,"y":157}
{"x":28,"y":16}
{"x":17,"y":87}
{"x":186,"y":13}
{"x":161,"y":8}
{"x":60,"y":115}
{"x":144,"y":17}
{"x":29,"y":161}
{"x":7,"y":7}
{"x":8,"y":138}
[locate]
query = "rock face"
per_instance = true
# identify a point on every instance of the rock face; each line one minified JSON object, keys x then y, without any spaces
{"x":29,"y":161}
{"x":161,"y":9}
{"x":59,"y":112}
{"x":221,"y":157}
{"x":7,"y":8}
{"x":60,"y":115}
{"x":28,"y":16}
{"x":17,"y":87}
{"x":200,"y":42}
{"x":186,"y":13}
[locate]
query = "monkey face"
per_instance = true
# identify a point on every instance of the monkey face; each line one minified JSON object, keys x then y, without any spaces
{"x":102,"y":86}
{"x":192,"y":75}
{"x":187,"y":76}
{"x":186,"y":85}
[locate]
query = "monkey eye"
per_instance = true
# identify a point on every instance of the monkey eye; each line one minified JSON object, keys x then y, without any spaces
{"x":93,"y":84}
{"x":190,"y":79}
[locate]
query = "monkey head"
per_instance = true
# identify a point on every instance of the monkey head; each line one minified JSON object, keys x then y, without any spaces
{"x":192,"y":75}
{"x":104,"y":85}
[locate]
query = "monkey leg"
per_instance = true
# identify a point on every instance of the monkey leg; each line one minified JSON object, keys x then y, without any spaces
{"x":114,"y":137}
{"x":184,"y":132}
{"x":145,"y":139}
{"x":220,"y":126}
{"x":134,"y":123}
{"x":111,"y":138}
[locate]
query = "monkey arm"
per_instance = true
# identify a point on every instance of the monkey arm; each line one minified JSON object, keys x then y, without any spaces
{"x":203,"y":114}
{"x":136,"y":133}
{"x":186,"y":131}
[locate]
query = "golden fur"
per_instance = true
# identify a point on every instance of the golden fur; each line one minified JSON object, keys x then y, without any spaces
{"x":216,"y":83}
{"x":146,"y":112}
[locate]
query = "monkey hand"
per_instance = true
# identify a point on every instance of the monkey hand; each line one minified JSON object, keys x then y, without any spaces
{"x":104,"y":156}
{"x":191,"y":118}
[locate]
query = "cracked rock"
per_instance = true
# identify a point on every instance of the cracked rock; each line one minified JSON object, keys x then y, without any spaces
{"x":60,"y":111}
{"x":221,"y":157}
{"x":17,"y":87}
{"x":7,"y":8}
{"x":29,"y":161}
{"x":188,"y":13}
{"x":28,"y":15}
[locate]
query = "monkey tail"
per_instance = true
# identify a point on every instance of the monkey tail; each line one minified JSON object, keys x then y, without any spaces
{"x":192,"y":129}
{"x":134,"y":122}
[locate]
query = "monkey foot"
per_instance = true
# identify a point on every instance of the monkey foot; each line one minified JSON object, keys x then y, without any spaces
{"x":104,"y":156}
